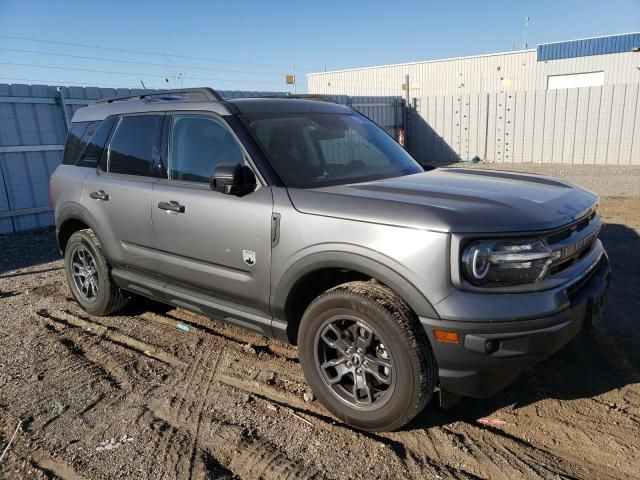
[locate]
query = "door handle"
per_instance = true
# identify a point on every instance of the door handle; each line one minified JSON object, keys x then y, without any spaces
{"x":99,"y":195}
{"x":171,"y":206}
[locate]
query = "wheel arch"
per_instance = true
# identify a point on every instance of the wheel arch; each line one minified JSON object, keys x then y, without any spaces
{"x":71,"y":218}
{"x":347,"y":267}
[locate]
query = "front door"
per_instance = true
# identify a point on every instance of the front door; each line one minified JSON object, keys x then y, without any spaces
{"x":215,"y":244}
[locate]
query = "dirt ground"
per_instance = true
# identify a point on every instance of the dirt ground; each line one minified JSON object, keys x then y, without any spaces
{"x":137,"y":396}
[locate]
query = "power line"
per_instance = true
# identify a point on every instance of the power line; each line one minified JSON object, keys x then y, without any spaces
{"x":141,"y":52}
{"x":137,"y":74}
{"x":70,"y":83}
{"x":195,"y":67}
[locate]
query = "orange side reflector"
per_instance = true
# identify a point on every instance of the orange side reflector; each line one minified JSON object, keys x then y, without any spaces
{"x":445,"y":336}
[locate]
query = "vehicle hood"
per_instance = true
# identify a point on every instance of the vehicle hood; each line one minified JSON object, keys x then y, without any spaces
{"x":453,"y":200}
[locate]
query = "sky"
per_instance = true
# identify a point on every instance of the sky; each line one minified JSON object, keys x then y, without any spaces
{"x":252,"y":45}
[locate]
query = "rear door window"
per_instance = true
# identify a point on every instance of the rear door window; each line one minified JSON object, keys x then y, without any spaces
{"x":134,"y":149}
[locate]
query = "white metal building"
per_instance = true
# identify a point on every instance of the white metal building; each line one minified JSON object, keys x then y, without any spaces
{"x":598,"y":61}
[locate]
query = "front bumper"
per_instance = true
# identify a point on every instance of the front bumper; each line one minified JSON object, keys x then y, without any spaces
{"x":490,"y":355}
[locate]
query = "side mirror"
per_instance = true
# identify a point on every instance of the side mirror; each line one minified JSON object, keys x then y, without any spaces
{"x":233,"y":179}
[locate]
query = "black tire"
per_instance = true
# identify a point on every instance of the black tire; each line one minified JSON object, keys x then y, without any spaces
{"x":107,"y":297}
{"x":412,"y":371}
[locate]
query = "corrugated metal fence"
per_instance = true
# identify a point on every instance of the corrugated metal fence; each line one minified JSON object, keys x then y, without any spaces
{"x":596,"y":125}
{"x":33,"y":126}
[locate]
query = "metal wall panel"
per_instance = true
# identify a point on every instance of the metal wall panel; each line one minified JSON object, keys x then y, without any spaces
{"x":474,"y":125}
{"x":615,"y":124}
{"x":604,"y":125}
{"x":587,"y":125}
{"x":492,"y":116}
{"x":501,"y":111}
{"x":582,"y":118}
{"x":558,"y":128}
{"x":593,"y":125}
{"x":570,"y":122}
{"x":529,"y":123}
{"x":629,"y":121}
{"x":635,"y":134}
{"x":518,"y":120}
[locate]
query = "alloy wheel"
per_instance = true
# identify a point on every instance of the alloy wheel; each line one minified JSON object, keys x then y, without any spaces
{"x":354,"y":362}
{"x":85,"y":275}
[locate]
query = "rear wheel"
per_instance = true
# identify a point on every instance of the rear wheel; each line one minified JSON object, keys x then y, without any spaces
{"x":366,"y":357}
{"x":89,"y":276}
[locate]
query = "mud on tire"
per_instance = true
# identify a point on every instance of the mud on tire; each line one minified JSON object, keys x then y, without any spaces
{"x":367,"y":314}
{"x":89,"y":275}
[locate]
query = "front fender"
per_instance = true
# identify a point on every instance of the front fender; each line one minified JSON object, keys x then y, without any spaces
{"x":352,"y":261}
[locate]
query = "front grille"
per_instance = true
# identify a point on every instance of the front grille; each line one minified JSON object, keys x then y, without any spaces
{"x":572,"y":242}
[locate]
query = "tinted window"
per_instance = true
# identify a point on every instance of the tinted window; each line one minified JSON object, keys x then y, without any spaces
{"x":198,"y":144}
{"x":134,"y":146}
{"x":310,"y":150}
{"x":94,"y":141}
{"x":73,"y":146}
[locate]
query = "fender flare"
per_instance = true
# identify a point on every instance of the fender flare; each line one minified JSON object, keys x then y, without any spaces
{"x":336,"y":259}
{"x":75,"y":211}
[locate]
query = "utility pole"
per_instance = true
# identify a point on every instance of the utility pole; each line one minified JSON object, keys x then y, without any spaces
{"x":526,"y":27}
{"x":293,"y":72}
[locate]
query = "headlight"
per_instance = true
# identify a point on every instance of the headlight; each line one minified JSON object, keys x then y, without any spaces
{"x":498,"y":263}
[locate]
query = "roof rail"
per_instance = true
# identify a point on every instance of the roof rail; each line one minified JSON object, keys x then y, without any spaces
{"x":302,"y":96}
{"x":193,"y":94}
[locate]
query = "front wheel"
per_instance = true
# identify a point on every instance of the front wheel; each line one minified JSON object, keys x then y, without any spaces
{"x":366,"y":357}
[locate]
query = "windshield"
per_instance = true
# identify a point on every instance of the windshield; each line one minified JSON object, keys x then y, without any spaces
{"x":310,"y":150}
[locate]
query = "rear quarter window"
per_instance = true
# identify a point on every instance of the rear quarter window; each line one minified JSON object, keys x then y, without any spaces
{"x":73,"y":146}
{"x":86,"y":141}
{"x":96,"y":142}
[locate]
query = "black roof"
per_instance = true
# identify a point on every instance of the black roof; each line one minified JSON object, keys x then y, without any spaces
{"x":286,"y":105}
{"x":206,"y":99}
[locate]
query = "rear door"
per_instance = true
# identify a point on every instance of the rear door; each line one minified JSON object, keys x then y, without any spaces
{"x":118,"y":194}
{"x":209,"y":242}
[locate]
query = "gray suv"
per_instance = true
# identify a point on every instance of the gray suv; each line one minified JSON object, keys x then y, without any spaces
{"x":301,"y":219}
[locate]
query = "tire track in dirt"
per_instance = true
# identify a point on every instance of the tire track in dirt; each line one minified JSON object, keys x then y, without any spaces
{"x":55,"y":468}
{"x":241,"y":457}
{"x":322,"y":419}
{"x":200,"y":409}
{"x":489,"y":452}
{"x":180,"y":450}
{"x":54,"y":397}
{"x":91,"y":357}
{"x":182,"y":387}
{"x":218,"y":328}
{"x":189,"y":441}
{"x":519,"y":453}
{"x":110,"y":334}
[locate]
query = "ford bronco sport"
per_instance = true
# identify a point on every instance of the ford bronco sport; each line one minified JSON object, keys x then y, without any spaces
{"x":301,"y":219}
